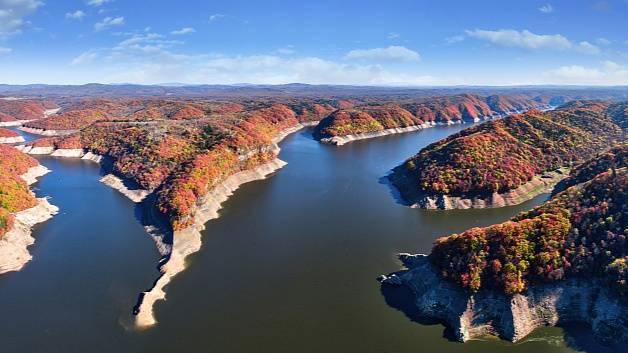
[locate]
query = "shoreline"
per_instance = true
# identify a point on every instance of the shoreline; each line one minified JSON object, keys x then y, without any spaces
{"x":14,"y":254}
{"x":341,"y":140}
{"x":47,"y":113}
{"x":540,"y":184}
{"x":189,"y":240}
{"x":11,"y":140}
{"x":117,"y":183}
{"x":111,"y":180}
{"x":15,"y":123}
{"x":44,"y":132}
{"x":475,"y":315}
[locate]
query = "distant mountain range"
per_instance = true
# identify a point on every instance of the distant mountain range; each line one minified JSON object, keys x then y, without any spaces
{"x":297,"y":89}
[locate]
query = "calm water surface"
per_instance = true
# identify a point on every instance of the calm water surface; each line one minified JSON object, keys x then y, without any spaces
{"x":290,"y":265}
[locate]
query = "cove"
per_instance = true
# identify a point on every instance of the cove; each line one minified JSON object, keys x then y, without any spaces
{"x":290,"y":266}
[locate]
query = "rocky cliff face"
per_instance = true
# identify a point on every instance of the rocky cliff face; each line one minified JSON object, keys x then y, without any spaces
{"x":511,"y":317}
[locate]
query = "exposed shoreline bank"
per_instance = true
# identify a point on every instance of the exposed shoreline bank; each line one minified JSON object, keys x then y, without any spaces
{"x":540,"y":184}
{"x":184,"y":242}
{"x":188,"y":241}
{"x":14,"y":254}
{"x":44,"y":132}
{"x":47,"y":113}
{"x":341,"y":140}
{"x":11,"y":140}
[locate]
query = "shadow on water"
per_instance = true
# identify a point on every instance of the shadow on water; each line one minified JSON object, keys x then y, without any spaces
{"x":402,"y":299}
{"x":581,"y":338}
{"x":576,"y":336}
{"x":392,"y":190}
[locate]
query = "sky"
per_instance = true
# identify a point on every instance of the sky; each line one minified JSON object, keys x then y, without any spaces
{"x":382,"y":42}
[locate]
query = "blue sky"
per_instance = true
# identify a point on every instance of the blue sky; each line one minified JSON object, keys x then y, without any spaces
{"x":394,"y":42}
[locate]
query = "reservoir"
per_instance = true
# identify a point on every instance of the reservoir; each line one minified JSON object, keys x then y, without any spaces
{"x":290,"y":266}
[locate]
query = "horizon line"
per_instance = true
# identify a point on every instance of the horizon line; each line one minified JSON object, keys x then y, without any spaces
{"x":244,"y":84}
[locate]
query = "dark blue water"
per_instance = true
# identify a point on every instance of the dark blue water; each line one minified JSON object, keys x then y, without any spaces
{"x":290,"y":265}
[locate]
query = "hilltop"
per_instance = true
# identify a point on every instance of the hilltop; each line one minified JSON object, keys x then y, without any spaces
{"x":507,"y":161}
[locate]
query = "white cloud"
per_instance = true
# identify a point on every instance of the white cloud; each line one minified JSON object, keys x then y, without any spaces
{"x":603,"y":41}
{"x":146,"y":42}
{"x":152,"y":58}
{"x":97,"y":3}
{"x":85,"y":58}
{"x":109,"y":22}
{"x":76,"y":15}
{"x":611,"y":66}
{"x":609,"y":73}
{"x":454,"y":39}
{"x":391,"y":53}
{"x":531,"y":41}
{"x":215,"y":17}
{"x":547,"y":8}
{"x":587,"y":48}
{"x":4,"y":50}
{"x":287,"y":50}
{"x":185,"y":30}
{"x":576,"y":72}
{"x":13,"y":14}
{"x":393,"y":35}
{"x":523,"y":39}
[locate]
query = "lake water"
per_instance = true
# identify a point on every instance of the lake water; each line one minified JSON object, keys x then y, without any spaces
{"x":290,"y":266}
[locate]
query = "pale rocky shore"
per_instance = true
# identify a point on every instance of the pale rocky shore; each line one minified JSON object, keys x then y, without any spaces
{"x":473,"y":315}
{"x":115,"y":182}
{"x":56,"y":152}
{"x":188,"y":241}
{"x":14,"y":139}
{"x":14,"y":244}
{"x":44,"y":132}
{"x":47,"y":113}
{"x":310,"y":123}
{"x":540,"y":184}
{"x":13,"y":123}
{"x":135,"y":195}
{"x":341,"y":140}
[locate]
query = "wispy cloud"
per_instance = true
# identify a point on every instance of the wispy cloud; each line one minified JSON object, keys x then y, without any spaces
{"x":531,"y":41}
{"x":287,"y":50}
{"x":109,"y":22}
{"x":97,"y":3}
{"x":76,"y":15}
{"x":216,"y":17}
{"x":603,"y":41}
{"x":13,"y":14}
{"x":84,"y":58}
{"x":547,"y":8}
{"x":393,"y":35}
{"x":587,"y":48}
{"x":391,"y":53}
{"x":454,"y":39}
{"x":523,"y":39}
{"x":608,"y":73}
{"x":182,"y":31}
{"x":152,"y":58}
{"x":4,"y":50}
